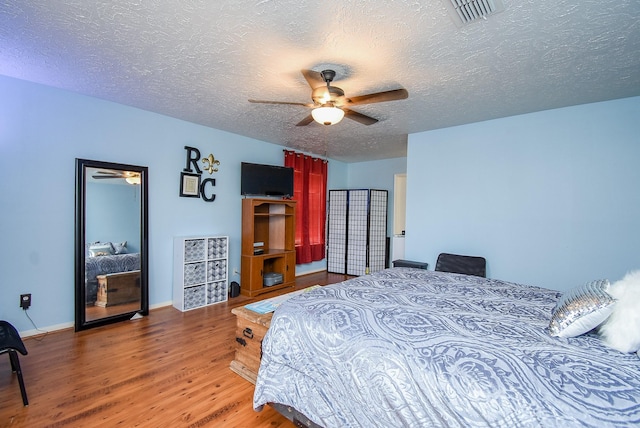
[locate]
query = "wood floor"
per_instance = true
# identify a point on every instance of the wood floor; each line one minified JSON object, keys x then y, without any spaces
{"x":170,"y":369}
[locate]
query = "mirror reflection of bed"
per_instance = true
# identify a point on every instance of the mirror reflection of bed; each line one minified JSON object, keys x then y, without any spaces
{"x":112,"y":268}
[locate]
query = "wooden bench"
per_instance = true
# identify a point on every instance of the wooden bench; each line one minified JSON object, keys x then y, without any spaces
{"x":250,"y":330}
{"x":118,"y":288}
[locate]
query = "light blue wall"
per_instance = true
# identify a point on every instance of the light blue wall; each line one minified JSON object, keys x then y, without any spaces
{"x":43,"y":130}
{"x":377,"y":175}
{"x":549,"y":198}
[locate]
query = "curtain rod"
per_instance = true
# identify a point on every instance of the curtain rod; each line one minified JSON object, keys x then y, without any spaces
{"x":303,"y":154}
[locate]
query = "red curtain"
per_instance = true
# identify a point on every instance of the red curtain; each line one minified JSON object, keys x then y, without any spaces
{"x":310,"y":192}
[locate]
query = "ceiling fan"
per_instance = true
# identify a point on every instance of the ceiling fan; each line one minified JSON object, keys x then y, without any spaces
{"x":129,"y":176}
{"x":330,"y":104}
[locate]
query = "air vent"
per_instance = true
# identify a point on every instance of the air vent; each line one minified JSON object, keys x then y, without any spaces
{"x":464,"y":12}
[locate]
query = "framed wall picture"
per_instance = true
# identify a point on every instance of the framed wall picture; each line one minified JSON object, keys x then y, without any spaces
{"x":189,"y":185}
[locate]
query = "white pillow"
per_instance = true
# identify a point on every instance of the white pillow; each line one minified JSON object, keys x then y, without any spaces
{"x":100,"y":249}
{"x":621,"y":330}
{"x":581,"y":309}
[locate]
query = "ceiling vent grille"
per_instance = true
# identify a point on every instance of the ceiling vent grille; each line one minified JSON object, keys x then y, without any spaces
{"x":464,"y":12}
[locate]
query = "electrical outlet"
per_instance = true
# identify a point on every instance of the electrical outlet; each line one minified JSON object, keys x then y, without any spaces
{"x":25,"y":301}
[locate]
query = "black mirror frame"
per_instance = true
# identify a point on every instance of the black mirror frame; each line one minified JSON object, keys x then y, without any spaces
{"x":81,"y":322}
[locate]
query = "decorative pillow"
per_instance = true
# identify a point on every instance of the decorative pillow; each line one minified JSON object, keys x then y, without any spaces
{"x":581,"y":309}
{"x":100,"y":249}
{"x":621,"y":330}
{"x":87,"y":246}
{"x":119,"y":247}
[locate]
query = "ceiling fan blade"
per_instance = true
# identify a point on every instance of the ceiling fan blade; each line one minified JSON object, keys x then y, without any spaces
{"x":379,"y":97}
{"x":314,"y":79}
{"x":359,"y":117}
{"x":107,"y":174}
{"x":280,"y":102}
{"x":304,"y":122}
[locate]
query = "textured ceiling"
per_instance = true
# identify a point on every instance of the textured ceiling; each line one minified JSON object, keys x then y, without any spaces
{"x":201,"y":60}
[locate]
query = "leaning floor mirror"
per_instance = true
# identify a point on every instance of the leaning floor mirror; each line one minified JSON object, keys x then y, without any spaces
{"x":111,"y":245}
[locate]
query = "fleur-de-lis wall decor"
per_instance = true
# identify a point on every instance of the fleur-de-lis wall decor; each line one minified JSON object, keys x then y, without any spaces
{"x":210,"y":164}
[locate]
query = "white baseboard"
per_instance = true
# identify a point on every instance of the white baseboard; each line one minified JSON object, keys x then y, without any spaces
{"x":307,"y":272}
{"x":47,"y":329}
{"x":161,"y":305}
{"x":66,"y":325}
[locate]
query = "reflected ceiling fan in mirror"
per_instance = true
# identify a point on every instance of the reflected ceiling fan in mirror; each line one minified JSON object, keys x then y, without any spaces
{"x":330,"y":104}
{"x":128,"y":176}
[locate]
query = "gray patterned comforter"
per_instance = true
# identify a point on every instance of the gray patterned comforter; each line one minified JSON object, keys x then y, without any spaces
{"x":104,"y":265}
{"x":416,"y":348}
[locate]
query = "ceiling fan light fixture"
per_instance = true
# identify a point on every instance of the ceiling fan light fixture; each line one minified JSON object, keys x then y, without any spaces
{"x":327,"y":115}
{"x":133,"y":180}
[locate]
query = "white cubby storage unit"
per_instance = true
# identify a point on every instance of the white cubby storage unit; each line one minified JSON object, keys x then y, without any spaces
{"x":200,"y":271}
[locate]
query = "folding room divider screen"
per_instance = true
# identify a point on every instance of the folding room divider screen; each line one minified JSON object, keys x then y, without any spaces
{"x":357,"y":231}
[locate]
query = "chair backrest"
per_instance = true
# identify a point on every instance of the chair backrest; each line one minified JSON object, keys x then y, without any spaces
{"x":468,"y":265}
{"x":10,"y":339}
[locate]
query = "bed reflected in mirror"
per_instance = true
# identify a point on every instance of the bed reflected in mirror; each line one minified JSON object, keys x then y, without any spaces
{"x":111,"y":242}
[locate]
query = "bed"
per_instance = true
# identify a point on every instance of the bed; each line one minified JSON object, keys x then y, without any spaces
{"x":416,"y":348}
{"x":104,"y":265}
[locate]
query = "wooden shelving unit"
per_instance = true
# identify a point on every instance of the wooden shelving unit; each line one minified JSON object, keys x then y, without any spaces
{"x":269,"y":226}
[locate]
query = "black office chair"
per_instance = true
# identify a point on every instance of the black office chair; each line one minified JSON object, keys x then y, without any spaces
{"x":468,"y":265}
{"x":11,"y":342}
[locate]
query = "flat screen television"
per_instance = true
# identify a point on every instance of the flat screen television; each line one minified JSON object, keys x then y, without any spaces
{"x":266,"y":180}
